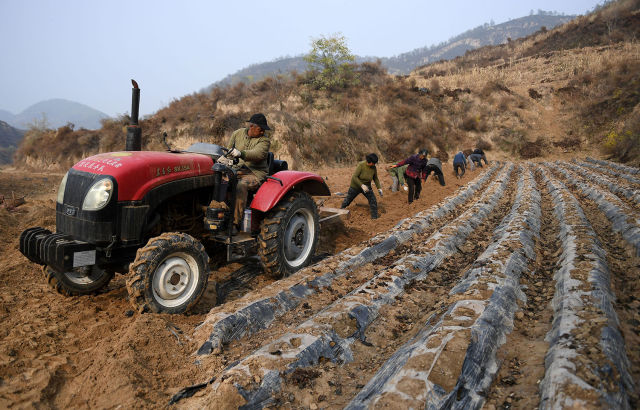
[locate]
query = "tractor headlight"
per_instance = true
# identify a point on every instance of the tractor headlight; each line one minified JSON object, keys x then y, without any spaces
{"x":61,"y":188}
{"x":98,"y":195}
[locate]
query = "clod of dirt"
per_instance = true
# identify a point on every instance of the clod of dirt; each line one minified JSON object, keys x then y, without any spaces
{"x":303,"y":378}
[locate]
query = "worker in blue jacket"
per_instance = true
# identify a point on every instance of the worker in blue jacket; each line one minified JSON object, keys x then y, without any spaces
{"x":459,"y":164}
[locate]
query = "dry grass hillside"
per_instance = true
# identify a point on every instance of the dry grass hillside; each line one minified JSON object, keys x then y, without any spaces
{"x":573,"y":88}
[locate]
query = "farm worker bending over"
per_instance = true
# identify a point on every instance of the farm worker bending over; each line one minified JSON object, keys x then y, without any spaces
{"x":477,"y":156}
{"x":397,"y":176}
{"x":459,"y":164}
{"x":416,"y":171}
{"x":365,"y":172}
{"x":251,"y":147}
{"x":434,"y":165}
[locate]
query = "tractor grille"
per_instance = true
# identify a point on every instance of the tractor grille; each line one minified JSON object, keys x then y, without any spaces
{"x":96,"y":227}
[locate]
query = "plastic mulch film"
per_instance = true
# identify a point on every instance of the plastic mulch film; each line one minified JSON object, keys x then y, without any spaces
{"x":632,"y":195}
{"x":612,"y":207}
{"x":615,"y":165}
{"x":277,"y":299}
{"x":325,"y":335}
{"x":479,"y":316}
{"x":583,"y":307}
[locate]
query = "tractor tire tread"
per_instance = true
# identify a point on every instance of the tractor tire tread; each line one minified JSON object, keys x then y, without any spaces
{"x":65,"y":290}
{"x":139,"y":273}
{"x":270,"y":256}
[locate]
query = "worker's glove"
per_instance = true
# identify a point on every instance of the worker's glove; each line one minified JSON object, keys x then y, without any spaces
{"x":235,"y":153}
{"x":365,"y":188}
{"x":224,"y":161}
{"x":380,"y":191}
{"x":405,"y":187}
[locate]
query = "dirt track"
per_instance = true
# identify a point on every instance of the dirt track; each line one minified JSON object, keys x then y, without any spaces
{"x":458,"y":305}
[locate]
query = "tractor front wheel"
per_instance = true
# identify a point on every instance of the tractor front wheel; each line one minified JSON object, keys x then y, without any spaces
{"x":289,"y":235}
{"x":169,"y":274}
{"x":85,"y":280}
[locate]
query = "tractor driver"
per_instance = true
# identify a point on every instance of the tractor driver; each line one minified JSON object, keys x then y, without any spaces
{"x":251,"y":147}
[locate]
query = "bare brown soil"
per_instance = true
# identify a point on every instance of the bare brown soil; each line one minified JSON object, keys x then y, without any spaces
{"x":95,"y":352}
{"x":90,"y":351}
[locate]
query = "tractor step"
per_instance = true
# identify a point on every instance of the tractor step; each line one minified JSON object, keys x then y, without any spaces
{"x":235,"y":239}
{"x":240,"y":246}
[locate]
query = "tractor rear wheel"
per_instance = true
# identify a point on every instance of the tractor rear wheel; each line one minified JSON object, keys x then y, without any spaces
{"x":85,"y":280}
{"x":289,"y":235}
{"x":169,"y":274}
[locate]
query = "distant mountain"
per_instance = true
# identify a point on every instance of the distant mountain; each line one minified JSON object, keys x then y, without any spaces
{"x":5,"y":116}
{"x":487,"y":34}
{"x":256,"y":72}
{"x":9,"y":139}
{"x":9,"y":135}
{"x":57,"y":112}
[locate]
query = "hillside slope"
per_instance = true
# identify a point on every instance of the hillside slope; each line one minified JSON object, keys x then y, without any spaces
{"x":487,"y":34}
{"x":528,"y":98}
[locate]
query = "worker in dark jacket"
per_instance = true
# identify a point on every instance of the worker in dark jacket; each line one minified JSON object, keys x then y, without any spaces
{"x":478,"y":155}
{"x":365,"y":172}
{"x":459,"y":164}
{"x":476,"y":159}
{"x":416,"y":171}
{"x":434,"y":165}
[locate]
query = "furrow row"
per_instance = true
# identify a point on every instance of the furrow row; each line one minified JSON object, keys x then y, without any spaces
{"x":256,"y":312}
{"x":430,"y":371}
{"x":586,"y":364}
{"x":615,"y":165}
{"x":613,"y":208}
{"x":331,"y":333}
{"x":633,"y":195}
{"x":611,"y":172}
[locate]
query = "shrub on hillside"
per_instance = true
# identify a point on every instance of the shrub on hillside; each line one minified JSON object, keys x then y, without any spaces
{"x":511,"y":140}
{"x":534,"y":149}
{"x":474,"y":123}
{"x":434,"y":85}
{"x":534,"y":94}
{"x":442,"y":156}
{"x":372,"y":74}
{"x":484,"y":144}
{"x":504,"y":103}
{"x":397,"y":90}
{"x":402,"y":116}
{"x":330,"y":64}
{"x":568,"y":142}
{"x":625,"y":144}
{"x":223,"y":124}
{"x":494,"y":87}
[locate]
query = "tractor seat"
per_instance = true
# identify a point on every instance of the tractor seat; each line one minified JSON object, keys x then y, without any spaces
{"x":275,"y":165}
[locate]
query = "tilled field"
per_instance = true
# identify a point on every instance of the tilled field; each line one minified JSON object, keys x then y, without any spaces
{"x":519,"y":290}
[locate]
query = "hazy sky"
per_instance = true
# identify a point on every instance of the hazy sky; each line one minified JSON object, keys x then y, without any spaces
{"x":87,"y":50}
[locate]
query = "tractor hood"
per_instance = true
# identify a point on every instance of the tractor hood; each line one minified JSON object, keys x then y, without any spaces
{"x":139,"y":171}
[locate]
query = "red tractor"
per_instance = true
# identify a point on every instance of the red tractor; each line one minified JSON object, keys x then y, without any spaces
{"x":154,"y":213}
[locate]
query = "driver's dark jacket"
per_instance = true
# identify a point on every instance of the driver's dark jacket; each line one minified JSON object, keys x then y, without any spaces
{"x":254,"y":151}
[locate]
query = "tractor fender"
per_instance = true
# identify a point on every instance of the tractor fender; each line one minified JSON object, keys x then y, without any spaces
{"x":279,"y":184}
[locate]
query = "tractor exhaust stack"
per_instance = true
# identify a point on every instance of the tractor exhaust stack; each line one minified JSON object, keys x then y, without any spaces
{"x":134,"y":132}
